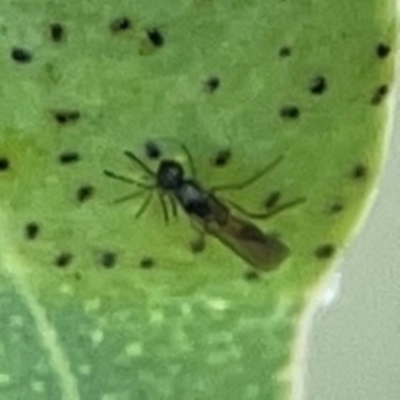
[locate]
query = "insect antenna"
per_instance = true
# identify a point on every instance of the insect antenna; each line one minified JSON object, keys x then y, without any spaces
{"x":190,"y":160}
{"x":126,"y":179}
{"x":133,"y":157}
{"x":128,"y":197}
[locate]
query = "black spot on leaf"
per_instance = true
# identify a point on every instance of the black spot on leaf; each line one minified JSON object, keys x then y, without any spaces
{"x":4,"y":164}
{"x":359,"y":171}
{"x":285,"y":51}
{"x":69,"y":157}
{"x":31,"y":230}
{"x":147,"y":263}
{"x":84,"y":193}
{"x":56,"y":32}
{"x":198,"y":245}
{"x":318,"y":85}
{"x":108,"y":259}
{"x":212,"y":84}
{"x":382,"y":50}
{"x":152,"y":150}
{"x":336,"y":208}
{"x":155,"y":37}
{"x":66,"y":116}
{"x":21,"y":55}
{"x":325,"y":251}
{"x":289,"y":112}
{"x":222,"y":158}
{"x":379,"y":94}
{"x":63,"y":260}
{"x":251,"y":276}
{"x":120,"y":24}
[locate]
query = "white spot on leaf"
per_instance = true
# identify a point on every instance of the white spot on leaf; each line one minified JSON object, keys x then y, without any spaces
{"x":186,"y":309}
{"x":156,"y":317}
{"x":38,"y":386}
{"x":67,"y":289}
{"x":85,"y":369}
{"x":97,"y":337}
{"x":5,"y":380}
{"x":135,"y":349}
{"x":92,"y":305}
{"x":218,"y":304}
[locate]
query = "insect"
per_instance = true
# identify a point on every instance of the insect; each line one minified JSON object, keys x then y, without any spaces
{"x":208,"y":212}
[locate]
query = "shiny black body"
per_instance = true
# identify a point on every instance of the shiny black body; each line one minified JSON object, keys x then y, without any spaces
{"x":192,"y":198}
{"x":260,"y":250}
{"x":211,"y":215}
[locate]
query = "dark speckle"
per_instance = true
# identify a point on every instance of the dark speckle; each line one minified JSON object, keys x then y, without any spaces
{"x":108,"y":259}
{"x":63,"y":260}
{"x":56,"y":32}
{"x":222,"y":158}
{"x":285,"y":51}
{"x":359,"y":171}
{"x":382,"y":50}
{"x":66,"y":116}
{"x":4,"y":164}
{"x":198,"y":245}
{"x":84,"y":193}
{"x":324,"y":251}
{"x":318,"y":85}
{"x":379,"y":94}
{"x":289,"y":112}
{"x":212,"y":84}
{"x":68,"y":157}
{"x":31,"y":230}
{"x":336,"y":208}
{"x":147,"y":263}
{"x":21,"y":55}
{"x":155,"y":37}
{"x":272,"y":199}
{"x":251,"y":276}
{"x":120,"y":24}
{"x":152,"y":150}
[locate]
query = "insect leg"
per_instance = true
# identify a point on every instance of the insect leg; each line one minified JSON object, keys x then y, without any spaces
{"x":268,"y":214}
{"x":173,"y":206}
{"x":164,"y":208}
{"x":190,"y":160}
{"x":133,"y":157}
{"x":144,"y":205}
{"x":126,"y":179}
{"x":249,"y":181}
{"x":128,"y":197}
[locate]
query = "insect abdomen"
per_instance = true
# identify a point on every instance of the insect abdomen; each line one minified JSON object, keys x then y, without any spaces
{"x":262,"y":251}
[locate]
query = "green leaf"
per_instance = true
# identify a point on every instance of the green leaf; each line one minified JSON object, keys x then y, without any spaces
{"x":96,"y":304}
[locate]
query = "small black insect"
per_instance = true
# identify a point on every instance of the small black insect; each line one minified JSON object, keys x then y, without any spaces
{"x":209,"y":213}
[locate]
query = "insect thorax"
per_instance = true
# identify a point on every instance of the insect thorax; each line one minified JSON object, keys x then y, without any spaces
{"x":193,"y":199}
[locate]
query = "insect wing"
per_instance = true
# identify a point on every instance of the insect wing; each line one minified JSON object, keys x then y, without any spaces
{"x":264,"y":252}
